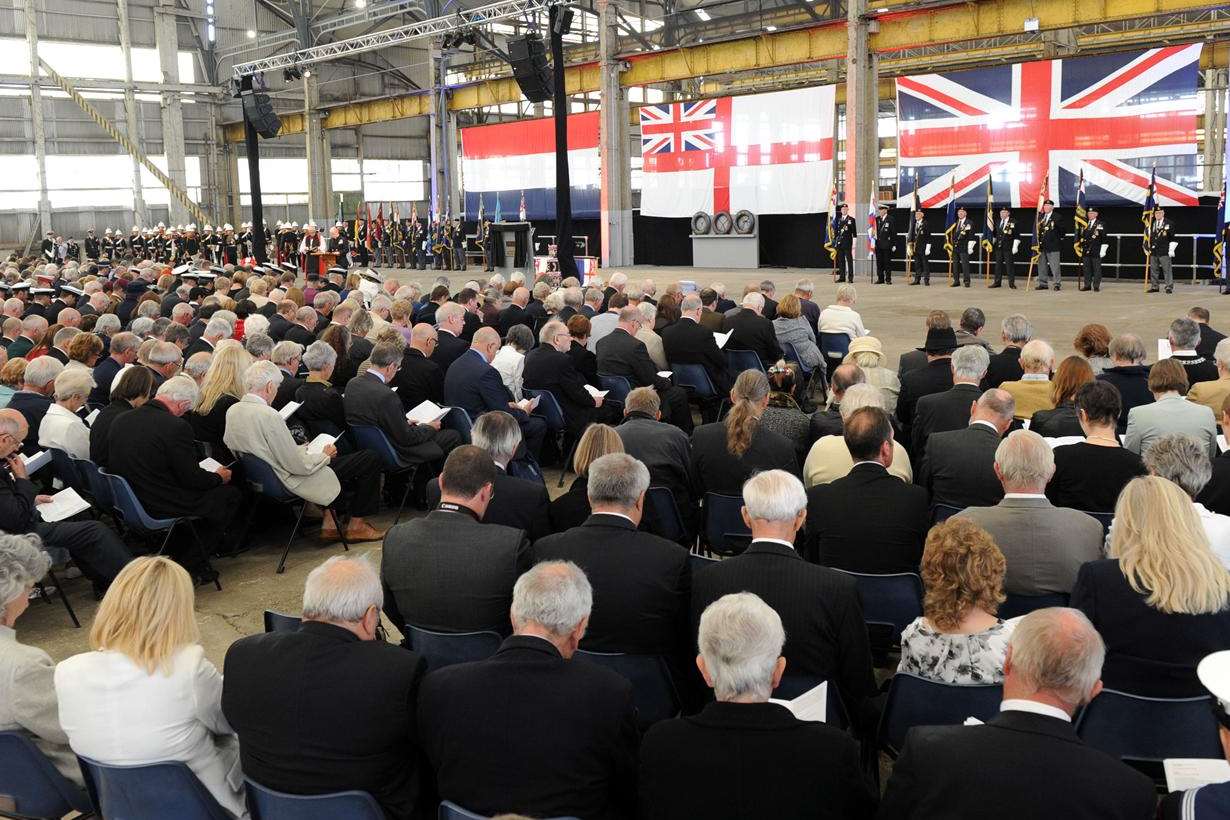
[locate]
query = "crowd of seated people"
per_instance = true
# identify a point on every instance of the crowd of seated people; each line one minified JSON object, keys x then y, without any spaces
{"x":862,"y":484}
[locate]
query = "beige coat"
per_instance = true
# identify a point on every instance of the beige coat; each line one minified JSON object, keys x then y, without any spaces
{"x":255,"y":428}
{"x":829,"y":459}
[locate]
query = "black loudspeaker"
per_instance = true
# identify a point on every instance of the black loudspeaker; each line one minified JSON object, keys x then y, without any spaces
{"x":529,"y":62}
{"x":259,"y":111}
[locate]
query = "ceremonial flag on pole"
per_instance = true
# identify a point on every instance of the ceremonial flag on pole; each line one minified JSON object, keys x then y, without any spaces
{"x":1082,"y":215}
{"x":497,"y":207}
{"x":380,"y":221}
{"x":367,"y":234}
{"x":1146,"y":215}
{"x":915,"y":205}
{"x":871,"y":224}
{"x":481,"y":208}
{"x":988,"y":224}
{"x":830,"y":236}
{"x":414,"y":216}
{"x":356,"y":223}
{"x":950,"y":218}
{"x":521,"y":208}
{"x":1043,"y":190}
{"x":1223,"y":224}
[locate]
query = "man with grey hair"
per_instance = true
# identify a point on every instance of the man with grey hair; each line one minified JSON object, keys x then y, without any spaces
{"x":420,"y":378}
{"x":165,"y":360}
{"x":1129,"y":374}
{"x":664,"y":449}
{"x":549,"y":367}
{"x":950,"y":409}
{"x":124,"y":347}
{"x":826,"y":421}
{"x":749,"y":330}
{"x":216,"y":329}
{"x":259,"y":345}
{"x":302,"y":330}
{"x":830,"y":458}
{"x":288,"y":356}
{"x":450,"y":324}
{"x":474,"y":385}
{"x":1185,"y":461}
{"x":59,"y":343}
{"x":336,"y":651}
{"x":592,"y":305}
{"x":198,"y":365}
{"x":1015,"y":331}
{"x":642,"y":581}
{"x":1043,"y":545}
{"x":699,"y":766}
{"x":827,"y":642}
{"x":33,"y":327}
{"x":1213,"y":394}
{"x":653,"y":342}
{"x":107,"y":325}
{"x":582,"y":713}
{"x":1033,"y":391}
{"x":34,"y":399}
{"x":520,"y":503}
{"x":687,"y":341}
{"x":958,"y":466}
{"x":573,"y":300}
{"x":1184,"y":336}
{"x":620,"y":353}
{"x":1028,"y":757}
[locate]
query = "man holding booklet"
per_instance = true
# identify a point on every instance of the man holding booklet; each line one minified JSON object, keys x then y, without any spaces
{"x":549,"y":367}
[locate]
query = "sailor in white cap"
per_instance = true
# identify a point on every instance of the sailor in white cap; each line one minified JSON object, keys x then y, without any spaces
{"x":1212,"y":801}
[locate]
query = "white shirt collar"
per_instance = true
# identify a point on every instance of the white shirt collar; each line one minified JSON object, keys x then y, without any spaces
{"x":1024,"y":495}
{"x":1035,"y":377}
{"x":776,"y":541}
{"x":377,"y":374}
{"x":857,"y":463}
{"x":984,"y":423}
{"x":1022,"y":705}
{"x":617,"y":515}
{"x":1182,"y":353}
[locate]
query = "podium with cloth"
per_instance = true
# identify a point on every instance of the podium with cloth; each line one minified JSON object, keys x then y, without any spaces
{"x":513,"y":241}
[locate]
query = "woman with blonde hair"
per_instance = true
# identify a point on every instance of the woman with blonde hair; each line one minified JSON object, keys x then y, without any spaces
{"x":726,"y":453}
{"x":12,"y":374}
{"x":572,"y":508}
{"x":221,"y":388}
{"x":959,"y":639}
{"x":147,"y":693}
{"x":1161,"y":601}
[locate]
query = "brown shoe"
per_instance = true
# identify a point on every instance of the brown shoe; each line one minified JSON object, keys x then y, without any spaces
{"x":366,"y":532}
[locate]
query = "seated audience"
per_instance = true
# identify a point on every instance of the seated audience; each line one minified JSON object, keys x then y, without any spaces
{"x":749,"y":330}
{"x":472,"y":384}
{"x":958,"y":639}
{"x":933,"y":377}
{"x":1015,"y":331}
{"x":520,"y":503}
{"x":1044,"y":545}
{"x":338,"y":337}
{"x":726,"y":453}
{"x":830,"y":459}
{"x":474,"y":719}
{"x":509,"y":360}
{"x":827,"y":421}
{"x":793,"y":329}
{"x":198,"y":365}
{"x":33,"y":400}
{"x":652,"y":341}
{"x":1209,"y":337}
{"x":868,"y":520}
{"x":448,"y":571}
{"x":1181,"y":459}
{"x":620,"y":353}
{"x":867,"y":353}
{"x":572,"y":508}
{"x":841,"y":317}
{"x":1034,"y":391}
{"x":958,"y":469}
{"x":1028,"y":758}
{"x":11,"y":376}
{"x":1161,"y":601}
{"x":583,"y":359}
{"x":334,"y":650}
{"x":1128,"y":373}
{"x":1089,"y":474}
{"x":420,"y":378}
{"x":222,"y":389}
{"x":147,"y":693}
{"x":27,"y":691}
{"x":1093,"y":342}
{"x":62,"y":428}
{"x":321,"y":407}
{"x":951,"y":408}
{"x":132,"y":388}
{"x":688,"y":341}
{"x":1184,"y":337}
{"x":969,"y":329}
{"x":1170,"y":412}
{"x":288,"y":356}
{"x":84,"y":351}
{"x":450,"y":322}
{"x":916,"y":358}
{"x":1216,"y":494}
{"x":743,"y":756}
{"x":1062,"y":421}
{"x":1209,"y":801}
{"x":825,"y":635}
{"x":1213,"y":394}
{"x":549,"y":367}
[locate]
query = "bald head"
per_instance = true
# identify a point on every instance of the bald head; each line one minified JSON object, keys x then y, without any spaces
{"x":1055,"y":657}
{"x":521,"y":297}
{"x":423,"y":337}
{"x":13,"y":430}
{"x":69,"y":317}
{"x":845,"y":377}
{"x":996,"y":407}
{"x":486,"y":342}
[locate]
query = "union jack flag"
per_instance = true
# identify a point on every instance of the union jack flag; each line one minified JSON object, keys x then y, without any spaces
{"x":1110,"y":116}
{"x":677,"y":127}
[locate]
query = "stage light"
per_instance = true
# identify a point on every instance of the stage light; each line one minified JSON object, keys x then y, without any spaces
{"x":251,"y":34}
{"x":1031,"y":24}
{"x":702,"y":14}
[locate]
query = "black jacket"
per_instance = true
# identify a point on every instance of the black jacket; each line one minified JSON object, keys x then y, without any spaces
{"x":586,"y":363}
{"x":33,"y":406}
{"x":156,"y":452}
{"x":199,"y":345}
{"x":939,"y":413}
{"x":420,"y":379}
{"x":448,"y":349}
{"x":526,"y":731}
{"x":1132,"y":381}
{"x":717,"y":470}
{"x":622,"y":354}
{"x":751,"y":331}
{"x":518,"y":503}
{"x":689,"y":342}
{"x":868,"y":521}
{"x":1057,"y":423}
{"x":514,"y":315}
{"x":959,"y":467}
{"x":1005,"y":366}
{"x":322,"y":410}
{"x":934,"y":377}
{"x":641,"y":585}
{"x":572,"y":508}
{"x":287,"y":388}
{"x":211,"y":427}
{"x":369,"y":401}
{"x":1216,"y":494}
{"x":666,"y":451}
{"x":278,"y":325}
{"x":734,"y":761}
{"x":1027,"y":766}
{"x":1199,"y":368}
{"x":1208,"y":340}
{"x":104,"y":374}
{"x":17,"y":510}
{"x":367,"y":743}
{"x":100,"y":431}
{"x":548,"y":369}
{"x":299,"y":334}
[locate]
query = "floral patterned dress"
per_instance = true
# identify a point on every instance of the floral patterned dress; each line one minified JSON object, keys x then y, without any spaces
{"x":953,"y":658}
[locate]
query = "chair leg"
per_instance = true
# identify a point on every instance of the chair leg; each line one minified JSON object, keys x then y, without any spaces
{"x":405,"y":494}
{"x":293,"y":532}
{"x":200,"y":547}
{"x":72,"y":616}
{"x":343,"y":523}
{"x":563,"y":468}
{"x":166,"y":539}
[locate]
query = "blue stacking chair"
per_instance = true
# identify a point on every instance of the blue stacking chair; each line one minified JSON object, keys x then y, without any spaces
{"x":619,"y":387}
{"x":791,"y":686}
{"x":663,"y":515}
{"x":1017,"y":605}
{"x":1104,"y":518}
{"x":834,"y":347}
{"x":917,"y":701}
{"x":374,"y":439}
{"x":162,"y":790}
{"x":135,"y":518}
{"x":265,"y":482}
{"x":890,"y":602}
{"x":59,"y":556}
{"x":451,"y":811}
{"x":1144,"y":731}
{"x":653,"y":690}
{"x":36,"y":787}
{"x":63,"y":469}
{"x":458,"y":419}
{"x":267,"y":804}
{"x":942,"y":512}
{"x":695,"y":379}
{"x":441,"y":649}
{"x":810,"y":375}
{"x":280,"y":622}
{"x":94,"y":483}
{"x":548,"y":408}
{"x":725,"y":532}
{"x":740,"y":360}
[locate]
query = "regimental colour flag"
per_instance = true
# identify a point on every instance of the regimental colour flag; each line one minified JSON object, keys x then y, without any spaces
{"x":1043,"y":190}
{"x":988,"y":221}
{"x":1111,"y":116}
{"x":1082,"y":216}
{"x":871,"y":224}
{"x":767,"y":153}
{"x":950,"y":218}
{"x":1150,"y":210}
{"x":830,"y":224}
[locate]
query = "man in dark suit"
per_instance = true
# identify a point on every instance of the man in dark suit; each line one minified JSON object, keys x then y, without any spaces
{"x":450,"y":322}
{"x":282,"y":321}
{"x":1184,"y":338}
{"x":153,"y":448}
{"x":958,"y":468}
{"x":826,"y":421}
{"x":472,"y":384}
{"x":664,"y":449}
{"x":935,"y":377}
{"x":420,"y":379}
{"x":710,"y":319}
{"x":32,"y":330}
{"x":471,"y":320}
{"x":687,"y":341}
{"x":449,"y":571}
{"x":497,"y":731}
{"x":749,"y":330}
{"x":1028,"y":761}
{"x":303,"y":330}
{"x":825,"y":634}
{"x":124,"y":347}
{"x":868,"y":521}
{"x":288,"y":356}
{"x":549,"y":367}
{"x":620,"y":353}
{"x":949,"y":410}
{"x":34,"y":398}
{"x":1208,"y":336}
{"x":916,"y":358}
{"x":767,"y":289}
{"x":515,"y":313}
{"x":363,"y":743}
{"x":216,"y":330}
{"x":1005,"y":366}
{"x":743,"y":756}
{"x":519,"y":503}
{"x":369,"y":401}
{"x":641,"y":581}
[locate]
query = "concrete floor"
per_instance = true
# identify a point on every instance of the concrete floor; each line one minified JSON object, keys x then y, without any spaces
{"x":894,"y":314}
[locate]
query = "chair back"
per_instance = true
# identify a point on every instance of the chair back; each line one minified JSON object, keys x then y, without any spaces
{"x":790,"y":354}
{"x":280,"y":622}
{"x":834,"y":346}
{"x":441,"y":649}
{"x":459,"y":420}
{"x":619,"y":387}
{"x":699,"y":562}
{"x":740,"y":360}
{"x":266,"y":804}
{"x":1143,"y":729}
{"x":1016,"y":605}
{"x":695,"y":378}
{"x":725,"y":531}
{"x":548,"y":408}
{"x":62,"y":467}
{"x":1104,"y":518}
{"x":129,"y":507}
{"x":35,"y":787}
{"x":942,"y":512}
{"x":451,"y":811}
{"x":890,"y":602}
{"x":374,"y":439}
{"x":653,"y":690}
{"x":917,"y":701}
{"x":662,"y":515}
{"x":262,"y":478}
{"x":167,"y":789}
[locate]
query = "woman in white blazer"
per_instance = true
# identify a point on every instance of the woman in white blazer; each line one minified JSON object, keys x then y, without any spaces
{"x":147,"y":694}
{"x":62,"y":428}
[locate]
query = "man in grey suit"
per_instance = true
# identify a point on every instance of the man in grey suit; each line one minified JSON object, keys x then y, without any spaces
{"x":448,"y":571}
{"x":1043,"y":545}
{"x":958,"y":466}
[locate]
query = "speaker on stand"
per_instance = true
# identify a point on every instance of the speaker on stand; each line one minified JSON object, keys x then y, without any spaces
{"x":528,"y":55}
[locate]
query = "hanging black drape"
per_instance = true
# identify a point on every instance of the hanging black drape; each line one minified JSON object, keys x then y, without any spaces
{"x":563,"y":186}
{"x":252,"y":143}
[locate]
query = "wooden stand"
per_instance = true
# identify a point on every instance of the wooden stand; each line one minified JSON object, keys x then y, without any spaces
{"x":321,"y":261}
